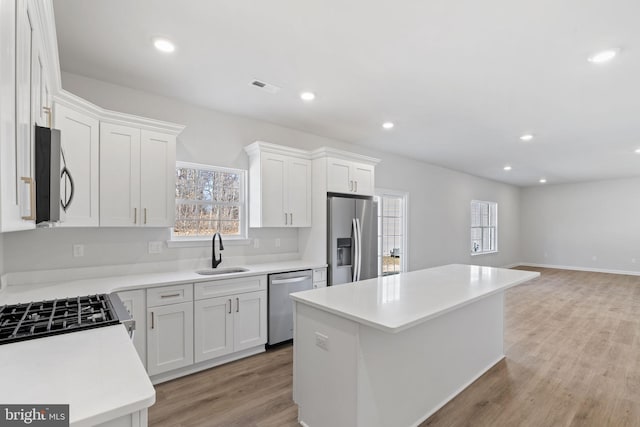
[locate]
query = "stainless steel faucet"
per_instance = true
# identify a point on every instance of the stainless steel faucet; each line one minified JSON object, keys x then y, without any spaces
{"x":216,"y":262}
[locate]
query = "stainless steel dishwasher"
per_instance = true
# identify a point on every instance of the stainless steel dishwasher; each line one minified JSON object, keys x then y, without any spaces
{"x":280,"y":307}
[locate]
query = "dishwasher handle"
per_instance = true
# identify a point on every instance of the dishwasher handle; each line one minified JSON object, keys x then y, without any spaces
{"x":291,"y":280}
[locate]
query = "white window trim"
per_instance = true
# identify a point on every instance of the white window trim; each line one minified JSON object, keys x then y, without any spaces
{"x":243,"y":238}
{"x":381,"y":192}
{"x":497,"y":215}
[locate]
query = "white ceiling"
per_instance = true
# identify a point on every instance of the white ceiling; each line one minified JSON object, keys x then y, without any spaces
{"x":461,"y":79}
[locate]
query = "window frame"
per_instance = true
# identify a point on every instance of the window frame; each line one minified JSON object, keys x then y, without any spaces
{"x":380,"y":193}
{"x":494,"y":227}
{"x":203,"y":240}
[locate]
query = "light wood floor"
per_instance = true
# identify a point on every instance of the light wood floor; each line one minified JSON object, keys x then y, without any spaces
{"x":572,"y":341}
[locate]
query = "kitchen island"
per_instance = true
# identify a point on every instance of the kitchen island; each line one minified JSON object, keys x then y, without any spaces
{"x":391,"y":351}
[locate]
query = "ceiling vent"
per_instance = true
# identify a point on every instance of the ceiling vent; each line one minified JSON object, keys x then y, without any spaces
{"x":265,"y":86}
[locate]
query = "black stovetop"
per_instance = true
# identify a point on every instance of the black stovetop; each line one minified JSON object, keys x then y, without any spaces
{"x":20,"y":322}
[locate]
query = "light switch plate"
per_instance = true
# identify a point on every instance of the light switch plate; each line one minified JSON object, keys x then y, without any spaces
{"x":155,"y":247}
{"x":322,"y":341}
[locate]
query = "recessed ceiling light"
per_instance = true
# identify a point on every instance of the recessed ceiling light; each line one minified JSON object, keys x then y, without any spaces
{"x":388,"y":125}
{"x":603,"y":56}
{"x":507,"y":168}
{"x":542,"y":181}
{"x":526,"y":137}
{"x":637,"y":150}
{"x":164,"y":45}
{"x":307,"y":96}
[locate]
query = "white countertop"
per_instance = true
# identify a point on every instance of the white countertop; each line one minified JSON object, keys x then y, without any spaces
{"x":15,"y":294}
{"x":97,"y":372}
{"x":398,"y":302}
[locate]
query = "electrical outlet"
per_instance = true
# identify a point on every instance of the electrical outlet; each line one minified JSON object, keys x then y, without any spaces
{"x":256,"y":243}
{"x":278,"y":242}
{"x":322,"y":341}
{"x":78,"y":250}
{"x":155,"y":247}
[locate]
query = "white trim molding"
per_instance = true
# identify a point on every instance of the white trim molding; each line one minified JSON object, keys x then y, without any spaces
{"x":577,"y":268}
{"x":73,"y":101}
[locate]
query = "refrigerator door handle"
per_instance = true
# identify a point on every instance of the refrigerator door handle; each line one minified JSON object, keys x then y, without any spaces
{"x":356,"y":250}
{"x":359,"y":247}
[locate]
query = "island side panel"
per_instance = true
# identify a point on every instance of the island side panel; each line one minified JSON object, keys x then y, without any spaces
{"x":404,"y":378}
{"x":324,"y":378}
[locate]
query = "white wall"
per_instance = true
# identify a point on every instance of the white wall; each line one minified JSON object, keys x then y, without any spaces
{"x":439,"y":198}
{"x":569,"y":225}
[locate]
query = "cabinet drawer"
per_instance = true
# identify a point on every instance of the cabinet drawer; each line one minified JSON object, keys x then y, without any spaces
{"x":169,"y":295}
{"x":319,"y":275}
{"x":217,"y":288}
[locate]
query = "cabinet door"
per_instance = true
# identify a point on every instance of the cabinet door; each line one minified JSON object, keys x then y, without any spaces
{"x":10,"y":181}
{"x":135,"y":303}
{"x":25,"y":24}
{"x":213,"y":328}
{"x":249,"y":320}
{"x":169,"y":337}
{"x":157,"y":179}
{"x":362,"y":176}
{"x":273,"y":176}
{"x":119,"y":175}
{"x":299,"y":192}
{"x":338,"y":176}
{"x":80,"y":141}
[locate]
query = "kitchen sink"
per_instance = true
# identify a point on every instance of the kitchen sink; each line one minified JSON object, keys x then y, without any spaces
{"x":218,"y":271}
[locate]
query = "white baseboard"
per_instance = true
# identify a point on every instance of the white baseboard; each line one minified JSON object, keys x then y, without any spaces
{"x":577,"y":268}
{"x":515,"y":264}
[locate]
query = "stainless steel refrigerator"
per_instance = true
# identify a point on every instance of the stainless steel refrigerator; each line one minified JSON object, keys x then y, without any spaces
{"x":352,"y":239}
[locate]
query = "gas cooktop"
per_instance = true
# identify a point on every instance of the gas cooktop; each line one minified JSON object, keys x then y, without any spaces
{"x":20,"y":322}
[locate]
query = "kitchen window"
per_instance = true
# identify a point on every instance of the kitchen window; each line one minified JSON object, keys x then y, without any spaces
{"x":484,"y":227}
{"x":392,"y":236}
{"x":209,"y":199}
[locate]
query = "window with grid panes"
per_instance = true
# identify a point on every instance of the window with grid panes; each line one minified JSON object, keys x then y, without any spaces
{"x":484,"y":227}
{"x":209,"y":199}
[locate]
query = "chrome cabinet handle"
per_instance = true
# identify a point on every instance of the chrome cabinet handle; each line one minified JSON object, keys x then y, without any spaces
{"x":152,"y":320}
{"x":356,"y":183}
{"x":291,"y":218}
{"x":145,"y":215}
{"x":32,"y":198}
{"x":350,"y":185}
{"x":135,"y":215}
{"x":285,"y":219}
{"x":169,"y":296}
{"x":229,"y":305}
{"x":237,"y":305}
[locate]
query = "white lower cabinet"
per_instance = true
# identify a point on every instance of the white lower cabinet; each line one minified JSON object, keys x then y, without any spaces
{"x":135,"y":302}
{"x":230,"y":316}
{"x":213,"y":328}
{"x":250,"y":320}
{"x":230,"y":324}
{"x":169,"y":337}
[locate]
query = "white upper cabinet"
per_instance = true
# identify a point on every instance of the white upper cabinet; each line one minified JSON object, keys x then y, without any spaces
{"x":10,"y":209}
{"x":279,"y":186}
{"x":80,"y":141}
{"x":137,"y":177}
{"x":119,"y":175}
{"x":157,"y":178}
{"x":346,"y":176}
